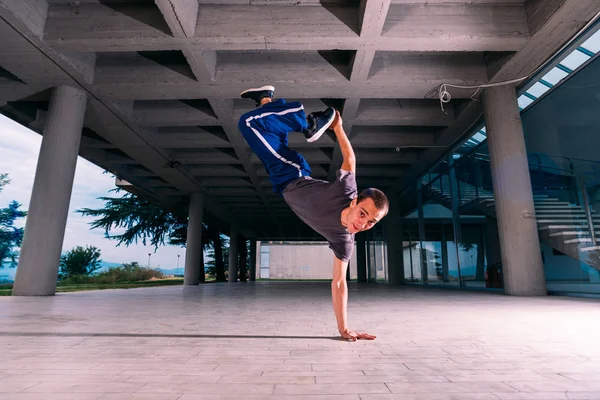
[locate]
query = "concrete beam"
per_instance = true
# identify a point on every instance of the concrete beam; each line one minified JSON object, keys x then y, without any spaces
{"x":95,"y":144}
{"x":391,"y":137}
{"x":384,"y":157}
{"x":210,"y":182}
{"x":205,"y":156}
{"x":372,"y":16}
{"x":559,"y":28}
{"x":180,"y":15}
{"x":389,"y":170}
{"x":97,"y":27}
{"x":361,"y":65}
{"x":84,"y":63}
{"x":539,"y":11}
{"x":30,"y":14}
{"x":215,"y":170}
{"x":458,"y":23}
{"x":376,"y":88}
{"x":299,"y":75}
{"x":403,"y":112}
{"x":26,"y":66}
{"x":189,"y":137}
{"x":174,"y":113}
{"x":202,"y":63}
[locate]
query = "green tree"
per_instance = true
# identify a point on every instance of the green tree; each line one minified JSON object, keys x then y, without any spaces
{"x":141,"y":219}
{"x":218,"y":256}
{"x":79,"y":261}
{"x":10,"y":236}
{"x":3,"y":181}
{"x":148,"y":222}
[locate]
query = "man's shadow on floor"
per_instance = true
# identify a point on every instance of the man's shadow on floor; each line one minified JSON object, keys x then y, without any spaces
{"x":165,"y":335}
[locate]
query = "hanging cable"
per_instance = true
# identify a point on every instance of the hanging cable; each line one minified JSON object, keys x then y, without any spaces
{"x":445,"y":96}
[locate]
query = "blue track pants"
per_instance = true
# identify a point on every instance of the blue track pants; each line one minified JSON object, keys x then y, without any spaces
{"x":266,"y":131}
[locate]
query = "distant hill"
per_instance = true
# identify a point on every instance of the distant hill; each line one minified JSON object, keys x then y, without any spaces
{"x":7,"y":274}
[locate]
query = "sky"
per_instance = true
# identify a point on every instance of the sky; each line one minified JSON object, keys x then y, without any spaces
{"x":19,"y":150}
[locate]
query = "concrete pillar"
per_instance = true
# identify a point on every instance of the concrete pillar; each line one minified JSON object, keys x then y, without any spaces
{"x":252,"y":269}
{"x":52,"y":187}
{"x":521,"y":255}
{"x":243,"y":252}
{"x":445,"y":266}
{"x":233,"y":254}
{"x":361,"y":258}
{"x":455,"y":206}
{"x":393,"y":230}
{"x":193,"y":252}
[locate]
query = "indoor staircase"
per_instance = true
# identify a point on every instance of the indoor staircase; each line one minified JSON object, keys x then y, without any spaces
{"x":561,"y":225}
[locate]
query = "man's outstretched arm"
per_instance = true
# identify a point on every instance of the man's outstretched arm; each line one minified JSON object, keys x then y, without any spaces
{"x":339,"y":296}
{"x":349,"y":163}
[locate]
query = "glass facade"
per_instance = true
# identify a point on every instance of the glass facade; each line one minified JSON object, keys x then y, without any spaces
{"x":450,"y":237}
{"x":376,"y":255}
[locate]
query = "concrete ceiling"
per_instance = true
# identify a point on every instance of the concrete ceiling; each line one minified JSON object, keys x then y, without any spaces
{"x":163,"y":79}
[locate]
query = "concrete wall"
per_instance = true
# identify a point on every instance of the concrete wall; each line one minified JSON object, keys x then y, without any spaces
{"x":312,"y":260}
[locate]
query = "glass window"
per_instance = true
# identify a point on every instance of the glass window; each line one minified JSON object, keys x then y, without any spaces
{"x":538,"y":89}
{"x":593,"y":43}
{"x":524,"y":101}
{"x":574,"y":60}
{"x":555,"y":75}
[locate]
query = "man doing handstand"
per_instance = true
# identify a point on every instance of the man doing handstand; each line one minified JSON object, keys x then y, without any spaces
{"x":333,"y":209}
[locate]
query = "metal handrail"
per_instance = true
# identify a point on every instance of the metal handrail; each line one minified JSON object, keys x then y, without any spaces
{"x":455,"y":165}
{"x":570,"y":159}
{"x":572,"y":173}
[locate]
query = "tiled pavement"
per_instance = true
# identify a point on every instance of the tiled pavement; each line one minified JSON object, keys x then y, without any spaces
{"x":256,"y":341}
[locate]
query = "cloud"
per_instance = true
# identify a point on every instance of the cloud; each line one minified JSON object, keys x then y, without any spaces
{"x":19,"y":150}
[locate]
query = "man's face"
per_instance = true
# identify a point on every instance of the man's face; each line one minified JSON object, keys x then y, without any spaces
{"x":362,"y":216}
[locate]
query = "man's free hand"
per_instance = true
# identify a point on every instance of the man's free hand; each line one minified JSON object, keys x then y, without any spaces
{"x":337,"y":121}
{"x":354,"y":336}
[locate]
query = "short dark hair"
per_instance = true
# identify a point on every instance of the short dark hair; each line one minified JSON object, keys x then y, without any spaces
{"x":379,"y":198}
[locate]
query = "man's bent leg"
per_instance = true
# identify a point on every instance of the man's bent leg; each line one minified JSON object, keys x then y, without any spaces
{"x":266,"y":130}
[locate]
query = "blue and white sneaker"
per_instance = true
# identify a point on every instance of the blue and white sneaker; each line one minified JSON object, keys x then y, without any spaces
{"x":257,"y":94}
{"x":318,"y":122}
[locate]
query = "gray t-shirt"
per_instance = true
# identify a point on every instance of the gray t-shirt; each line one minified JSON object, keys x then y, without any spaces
{"x":320,"y":203}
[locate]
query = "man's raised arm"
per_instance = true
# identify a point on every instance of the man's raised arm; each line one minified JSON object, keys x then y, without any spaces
{"x":349,"y":163}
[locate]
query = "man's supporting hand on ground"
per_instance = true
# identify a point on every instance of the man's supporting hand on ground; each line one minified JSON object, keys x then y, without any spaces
{"x":339,"y":296}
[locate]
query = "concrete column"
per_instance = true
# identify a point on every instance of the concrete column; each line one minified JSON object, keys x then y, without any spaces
{"x":393,"y":230}
{"x":243,"y":252}
{"x":521,"y":255}
{"x":421,"y":213}
{"x":445,"y":266}
{"x":455,"y":205}
{"x":233,"y":254}
{"x":361,"y":258}
{"x":193,"y":252}
{"x":252,"y":269}
{"x":52,"y":187}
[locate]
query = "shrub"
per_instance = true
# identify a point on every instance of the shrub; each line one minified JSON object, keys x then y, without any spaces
{"x":79,"y":261}
{"x":128,"y":272}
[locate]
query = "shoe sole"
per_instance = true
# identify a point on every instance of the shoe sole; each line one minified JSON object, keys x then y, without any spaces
{"x":260,"y":89}
{"x":320,"y":132}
